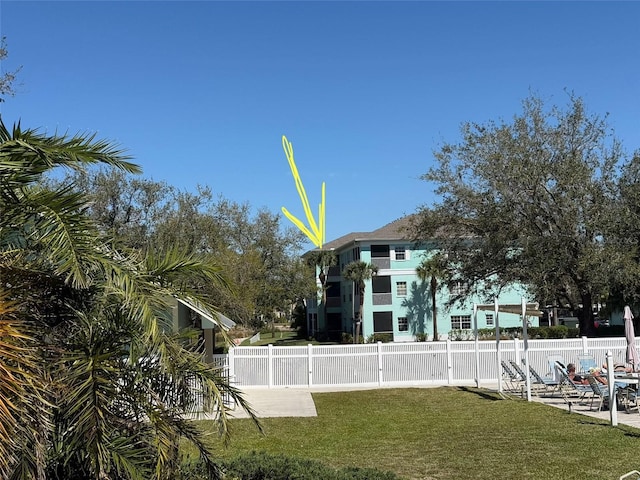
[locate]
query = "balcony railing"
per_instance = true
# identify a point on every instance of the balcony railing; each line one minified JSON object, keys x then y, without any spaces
{"x":381,"y":262}
{"x":382,"y":299}
{"x":334,"y":302}
{"x":334,"y":271}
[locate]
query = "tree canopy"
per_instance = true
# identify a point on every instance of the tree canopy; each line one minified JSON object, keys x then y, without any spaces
{"x":260,"y":258}
{"x":536,"y":200}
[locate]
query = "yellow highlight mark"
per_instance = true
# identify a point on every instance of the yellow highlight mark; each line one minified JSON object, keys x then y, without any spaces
{"x":316,"y":231}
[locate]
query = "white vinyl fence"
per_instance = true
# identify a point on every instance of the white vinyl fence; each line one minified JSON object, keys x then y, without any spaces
{"x":400,"y":364}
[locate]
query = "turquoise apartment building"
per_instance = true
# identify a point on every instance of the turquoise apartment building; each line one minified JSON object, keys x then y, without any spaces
{"x":396,"y":301}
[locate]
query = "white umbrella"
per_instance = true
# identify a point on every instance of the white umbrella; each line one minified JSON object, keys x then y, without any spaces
{"x":632,"y":352}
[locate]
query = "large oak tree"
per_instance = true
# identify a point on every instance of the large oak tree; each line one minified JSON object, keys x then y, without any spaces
{"x":532,"y":200}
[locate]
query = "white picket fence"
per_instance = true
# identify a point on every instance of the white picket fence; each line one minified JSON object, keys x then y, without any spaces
{"x":400,"y":364}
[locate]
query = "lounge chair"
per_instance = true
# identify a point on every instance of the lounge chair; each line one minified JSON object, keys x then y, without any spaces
{"x":511,"y":377}
{"x":552,"y":359}
{"x":587,"y":362}
{"x":550,"y":385}
{"x":535,"y":385}
{"x":600,"y":390}
{"x":630,"y":399}
{"x":570,"y":390}
{"x":518,"y":370}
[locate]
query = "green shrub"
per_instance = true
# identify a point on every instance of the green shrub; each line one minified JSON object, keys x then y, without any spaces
{"x":538,"y":332}
{"x":264,"y":466}
{"x":346,"y":338}
{"x":558,"y":331}
{"x":486,"y":333}
{"x":421,"y":337}
{"x":356,"y":473}
{"x":196,"y":470}
{"x":459,"y":335}
{"x":573,"y":332}
{"x":380,"y":337}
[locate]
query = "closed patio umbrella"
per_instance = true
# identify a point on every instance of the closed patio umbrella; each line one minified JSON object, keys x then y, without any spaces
{"x":632,"y":351}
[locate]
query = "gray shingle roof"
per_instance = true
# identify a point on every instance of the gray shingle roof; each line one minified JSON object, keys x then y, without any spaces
{"x":396,"y":230}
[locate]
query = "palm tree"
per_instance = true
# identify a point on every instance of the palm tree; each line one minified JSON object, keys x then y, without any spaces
{"x":323,"y":260}
{"x":359,"y":272}
{"x":93,"y":383}
{"x":433,"y":269}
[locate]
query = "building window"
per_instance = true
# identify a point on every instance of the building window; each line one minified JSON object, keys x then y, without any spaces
{"x":380,"y":251}
{"x":400,"y":253}
{"x":401,"y":289}
{"x":489,"y":319}
{"x":382,"y":322}
{"x":461,"y":322}
{"x":382,"y":294}
{"x":381,"y":284}
{"x":403,"y":324}
{"x":458,"y":288}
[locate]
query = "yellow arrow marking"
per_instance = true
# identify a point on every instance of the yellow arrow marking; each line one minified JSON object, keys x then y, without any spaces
{"x":315,"y":231}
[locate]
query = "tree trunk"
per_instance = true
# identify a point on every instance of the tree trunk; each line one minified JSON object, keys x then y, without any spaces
{"x":434,"y":308}
{"x":586,"y":316}
{"x":360,"y":317}
{"x":323,"y":282}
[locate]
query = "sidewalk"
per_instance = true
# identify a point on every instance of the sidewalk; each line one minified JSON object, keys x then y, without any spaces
{"x":631,"y":419}
{"x":278,"y":402}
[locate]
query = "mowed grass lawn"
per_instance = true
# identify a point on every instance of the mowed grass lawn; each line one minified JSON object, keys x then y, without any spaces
{"x":446,"y":433}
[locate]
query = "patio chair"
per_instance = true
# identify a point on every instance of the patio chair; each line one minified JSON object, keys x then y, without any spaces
{"x":586,"y":361}
{"x":518,"y":370}
{"x":552,"y":359}
{"x":629,"y":397}
{"x":570,"y":390}
{"x":512,"y":379}
{"x":535,"y":386}
{"x":600,"y":391}
{"x":550,"y":385}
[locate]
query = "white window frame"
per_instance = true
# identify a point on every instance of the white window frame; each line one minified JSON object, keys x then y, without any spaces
{"x":489,"y":320}
{"x":403,"y":322}
{"x":460,"y":322}
{"x":398,"y":293}
{"x":403,"y":251}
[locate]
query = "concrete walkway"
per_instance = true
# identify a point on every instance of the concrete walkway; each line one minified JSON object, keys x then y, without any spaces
{"x":298,"y":402}
{"x":631,"y":418}
{"x":278,"y":402}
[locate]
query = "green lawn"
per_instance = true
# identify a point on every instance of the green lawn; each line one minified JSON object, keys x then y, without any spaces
{"x":447,"y":433}
{"x":282,"y":338}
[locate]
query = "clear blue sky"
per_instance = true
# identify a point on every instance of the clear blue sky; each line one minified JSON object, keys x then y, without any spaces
{"x":201,"y":92}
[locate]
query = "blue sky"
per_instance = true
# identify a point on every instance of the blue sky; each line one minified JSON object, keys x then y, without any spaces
{"x":201,"y":92}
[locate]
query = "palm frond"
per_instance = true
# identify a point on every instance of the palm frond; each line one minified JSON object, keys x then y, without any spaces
{"x":27,"y":154}
{"x":21,"y":395}
{"x":179,"y":268}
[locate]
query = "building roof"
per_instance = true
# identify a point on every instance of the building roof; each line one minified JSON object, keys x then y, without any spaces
{"x":209,"y":319}
{"x":396,"y":230}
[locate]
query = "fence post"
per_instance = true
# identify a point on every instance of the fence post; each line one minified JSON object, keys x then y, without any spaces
{"x":310,"y":364}
{"x":585,"y":345}
{"x":516,"y":348}
{"x":270,"y":366}
{"x":231,"y":365}
{"x":449,"y":363}
{"x":379,"y":364}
